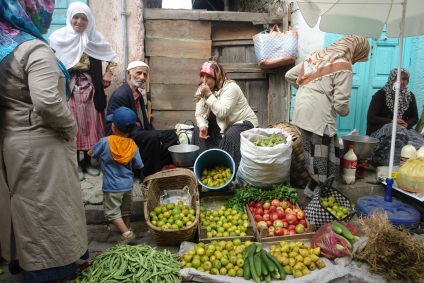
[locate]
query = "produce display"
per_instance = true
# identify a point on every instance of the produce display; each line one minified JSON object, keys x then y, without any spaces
{"x":278,"y":217}
{"x":172,"y":216}
{"x":339,"y":211}
{"x":216,"y":176}
{"x":297,"y":258}
{"x":218,"y":257}
{"x":270,"y":141}
{"x":243,"y":196}
{"x":224,"y":222}
{"x":234,"y":258}
{"x":139,"y":263}
{"x":261,"y":265}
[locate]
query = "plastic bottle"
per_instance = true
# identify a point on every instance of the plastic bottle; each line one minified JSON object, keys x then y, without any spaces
{"x":420,"y":152}
{"x":408,"y":151}
{"x":350,"y":161}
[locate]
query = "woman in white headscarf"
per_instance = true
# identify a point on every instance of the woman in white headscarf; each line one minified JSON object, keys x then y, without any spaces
{"x":82,"y":49}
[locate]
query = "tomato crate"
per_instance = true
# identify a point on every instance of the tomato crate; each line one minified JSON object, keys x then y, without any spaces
{"x":214,"y":203}
{"x":262,"y":234}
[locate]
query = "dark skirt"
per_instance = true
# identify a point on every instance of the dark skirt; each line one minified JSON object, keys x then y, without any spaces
{"x":322,"y":159}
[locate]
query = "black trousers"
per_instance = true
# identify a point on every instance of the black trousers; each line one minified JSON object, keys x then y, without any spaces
{"x":153,"y":146}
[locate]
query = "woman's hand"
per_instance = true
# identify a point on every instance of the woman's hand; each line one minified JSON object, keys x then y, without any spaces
{"x":107,"y":79}
{"x":204,"y":88}
{"x":203,"y":133}
{"x":402,"y":123}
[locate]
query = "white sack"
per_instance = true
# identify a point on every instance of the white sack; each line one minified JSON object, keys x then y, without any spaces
{"x":264,"y":166}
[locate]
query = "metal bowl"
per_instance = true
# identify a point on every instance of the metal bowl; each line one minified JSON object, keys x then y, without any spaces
{"x":362,"y":145}
{"x":184,"y":155}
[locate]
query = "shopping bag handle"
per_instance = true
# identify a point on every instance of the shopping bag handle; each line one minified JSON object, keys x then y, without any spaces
{"x":327,"y":183}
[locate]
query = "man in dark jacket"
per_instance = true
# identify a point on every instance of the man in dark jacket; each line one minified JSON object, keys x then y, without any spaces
{"x":153,"y":144}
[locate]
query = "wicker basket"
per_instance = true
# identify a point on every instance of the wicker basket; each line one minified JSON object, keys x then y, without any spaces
{"x":173,"y":179}
{"x":298,"y":172}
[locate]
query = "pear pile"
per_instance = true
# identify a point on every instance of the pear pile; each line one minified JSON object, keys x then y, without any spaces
{"x":216,"y":176}
{"x":297,"y":258}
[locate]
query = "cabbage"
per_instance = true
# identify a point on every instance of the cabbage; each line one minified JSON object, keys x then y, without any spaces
{"x":410,"y":176}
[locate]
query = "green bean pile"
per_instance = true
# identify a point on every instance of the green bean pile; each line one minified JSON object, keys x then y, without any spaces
{"x":139,"y":263}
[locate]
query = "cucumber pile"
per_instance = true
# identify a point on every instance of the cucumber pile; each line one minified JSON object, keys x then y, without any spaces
{"x":260,"y":265}
{"x":346,"y":236}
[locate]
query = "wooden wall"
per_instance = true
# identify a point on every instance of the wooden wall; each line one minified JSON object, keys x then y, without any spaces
{"x":178,"y":42}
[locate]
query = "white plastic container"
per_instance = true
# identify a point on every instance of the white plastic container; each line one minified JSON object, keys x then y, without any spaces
{"x":350,"y":161}
{"x":408,"y":151}
{"x":420,"y":152}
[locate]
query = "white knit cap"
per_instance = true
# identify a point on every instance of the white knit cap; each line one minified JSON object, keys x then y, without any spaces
{"x":136,"y":64}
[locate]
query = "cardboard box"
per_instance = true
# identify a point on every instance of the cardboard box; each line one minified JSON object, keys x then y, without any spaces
{"x":261,"y":236}
{"x":213,"y":203}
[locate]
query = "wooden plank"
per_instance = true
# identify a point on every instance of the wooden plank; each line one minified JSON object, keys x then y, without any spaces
{"x":277,"y":96}
{"x":181,"y":29}
{"x":178,"y":48}
{"x":255,"y":92}
{"x":234,"y":30}
{"x":166,"y":70}
{"x":241,"y":68}
{"x":163,"y":120}
{"x":203,"y":15}
{"x":232,"y":42}
{"x":247,"y":76}
{"x":173,"y":96}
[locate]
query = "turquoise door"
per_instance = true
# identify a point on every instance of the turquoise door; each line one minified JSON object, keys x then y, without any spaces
{"x":368,"y":78}
{"x":59,"y":15}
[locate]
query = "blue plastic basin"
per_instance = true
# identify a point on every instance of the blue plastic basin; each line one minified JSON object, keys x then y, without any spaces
{"x":211,"y":158}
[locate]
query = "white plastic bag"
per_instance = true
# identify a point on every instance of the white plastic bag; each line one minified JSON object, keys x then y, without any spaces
{"x":185,"y":132}
{"x":264,"y":166}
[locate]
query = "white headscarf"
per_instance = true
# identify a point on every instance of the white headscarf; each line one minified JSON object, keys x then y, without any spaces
{"x":69,"y":44}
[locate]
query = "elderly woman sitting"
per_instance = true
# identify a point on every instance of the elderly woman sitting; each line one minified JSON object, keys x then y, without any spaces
{"x":380,"y":119}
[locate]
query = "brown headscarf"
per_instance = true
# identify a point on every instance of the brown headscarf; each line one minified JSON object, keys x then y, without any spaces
{"x":338,"y":56}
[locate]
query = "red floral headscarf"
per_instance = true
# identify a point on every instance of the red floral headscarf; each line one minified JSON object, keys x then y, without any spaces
{"x":215,"y":70}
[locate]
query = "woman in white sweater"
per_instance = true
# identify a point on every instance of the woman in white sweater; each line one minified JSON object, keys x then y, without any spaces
{"x":222,"y":112}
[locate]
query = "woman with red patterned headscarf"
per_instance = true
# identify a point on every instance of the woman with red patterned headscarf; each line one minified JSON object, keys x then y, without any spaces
{"x":43,"y":228}
{"x":324,"y":82}
{"x":222,"y":112}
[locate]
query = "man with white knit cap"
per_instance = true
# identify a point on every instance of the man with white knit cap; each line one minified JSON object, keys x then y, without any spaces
{"x":153,"y":144}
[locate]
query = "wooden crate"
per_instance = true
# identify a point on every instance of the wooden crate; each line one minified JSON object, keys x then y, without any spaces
{"x":214,"y":202}
{"x":261,"y":236}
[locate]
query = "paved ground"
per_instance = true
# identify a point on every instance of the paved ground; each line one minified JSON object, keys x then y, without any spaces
{"x":102,"y":236}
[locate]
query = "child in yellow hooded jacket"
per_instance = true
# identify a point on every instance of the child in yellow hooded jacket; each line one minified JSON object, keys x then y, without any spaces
{"x":119,"y":156}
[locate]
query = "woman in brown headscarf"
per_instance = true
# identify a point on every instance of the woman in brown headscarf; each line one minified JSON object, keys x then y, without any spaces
{"x":324,"y":82}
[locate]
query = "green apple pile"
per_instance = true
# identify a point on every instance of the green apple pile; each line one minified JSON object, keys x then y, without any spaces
{"x":217,"y":258}
{"x":216,"y":176}
{"x":334,"y":207}
{"x":224,"y":222}
{"x":172,"y":216}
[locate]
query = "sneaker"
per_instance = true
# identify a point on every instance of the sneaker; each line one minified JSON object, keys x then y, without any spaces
{"x":127,"y":239}
{"x":92,"y":171}
{"x":80,"y":174}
